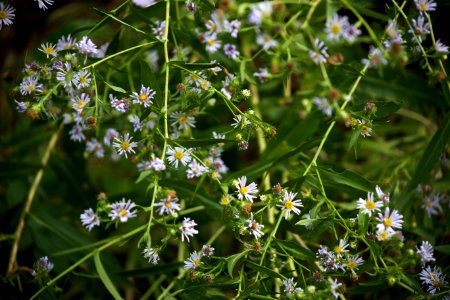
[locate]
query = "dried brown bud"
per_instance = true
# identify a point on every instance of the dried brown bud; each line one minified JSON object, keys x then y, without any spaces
{"x":91,"y":121}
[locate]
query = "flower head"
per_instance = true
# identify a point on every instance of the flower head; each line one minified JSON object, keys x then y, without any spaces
{"x":426,"y":252}
{"x":177,"y":154}
{"x":151,"y":255}
{"x":6,"y":14}
{"x":89,"y":219}
{"x":289,"y":286}
{"x":43,"y":265}
{"x":425,"y":5}
{"x":144,"y":3}
{"x":194,"y":261}
{"x":381,"y":195}
{"x":368,"y":205}
{"x":389,"y":221}
{"x":43,"y":3}
{"x":124,"y":145}
{"x":433,"y":278}
{"x":168,"y":205}
{"x":288,"y":204}
{"x":340,"y":249}
{"x":144,"y":96}
{"x":254,"y":227}
{"x":48,"y":49}
{"x":335,"y":27}
{"x":122,"y":210}
{"x":182,"y":120}
{"x":207,"y":250}
{"x":353,"y":261}
{"x":187,"y":229}
{"x":195,"y":169}
{"x":246,"y":191}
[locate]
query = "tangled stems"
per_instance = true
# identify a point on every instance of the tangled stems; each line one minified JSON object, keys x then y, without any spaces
{"x":106,"y":244}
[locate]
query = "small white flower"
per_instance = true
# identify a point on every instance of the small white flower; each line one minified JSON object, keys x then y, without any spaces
{"x":86,"y":46}
{"x":353,"y":262}
{"x":207,"y":250}
{"x":341,"y":248}
{"x":122,"y":210}
{"x":151,"y":255}
{"x":240,"y":120}
{"x":43,"y":3}
{"x":187,"y":229}
{"x":43,"y":265}
{"x":194,"y":261}
{"x":89,"y":219}
{"x":289,"y":286}
{"x":381,"y":195}
{"x":144,"y":3}
{"x":124,"y":145}
{"x":48,"y":49}
{"x":181,"y":120}
{"x":6,"y":14}
{"x":80,"y":102}
{"x":334,"y":286}
{"x":335,"y":27}
{"x":288,"y":204}
{"x":168,"y":205}
{"x":195,"y":169}
{"x":368,"y":205}
{"x":246,"y":191}
{"x":144,"y":96}
{"x":320,"y":53}
{"x":389,"y":221}
{"x":212,"y":43}
{"x":178,"y":155}
{"x":93,"y":146}
{"x":157,"y":164}
{"x":254,"y":227}
{"x":426,"y":252}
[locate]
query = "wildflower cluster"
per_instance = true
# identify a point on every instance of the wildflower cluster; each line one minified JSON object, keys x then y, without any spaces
{"x":200,"y":109}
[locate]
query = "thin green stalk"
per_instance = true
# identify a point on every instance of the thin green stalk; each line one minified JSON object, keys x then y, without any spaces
{"x":150,"y":220}
{"x":117,"y":54}
{"x":268,"y":242}
{"x":166,"y":84}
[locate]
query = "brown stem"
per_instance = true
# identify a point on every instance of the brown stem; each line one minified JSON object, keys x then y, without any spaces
{"x":37,"y":180}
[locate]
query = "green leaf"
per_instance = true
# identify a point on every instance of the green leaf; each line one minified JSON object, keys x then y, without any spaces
{"x":263,"y":270}
{"x":443,"y":248}
{"x":345,"y":178}
{"x":429,"y":159}
{"x":104,"y":277}
{"x":295,"y":250}
{"x":115,"y":88}
{"x":233,"y":260}
{"x":363,"y":223}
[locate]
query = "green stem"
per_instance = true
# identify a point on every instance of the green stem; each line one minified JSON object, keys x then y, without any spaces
{"x":166,"y":84}
{"x":269,"y":241}
{"x":117,"y":54}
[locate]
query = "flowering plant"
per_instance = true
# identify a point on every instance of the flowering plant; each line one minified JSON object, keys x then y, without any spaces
{"x":232,"y":149}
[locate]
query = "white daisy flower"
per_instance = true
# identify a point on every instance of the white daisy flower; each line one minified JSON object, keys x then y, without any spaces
{"x":151,"y":255}
{"x":89,"y":219}
{"x":168,"y":205}
{"x":178,"y":155}
{"x":288,"y":204}
{"x":124,"y":145}
{"x":187,"y":229}
{"x":122,"y":210}
{"x":194,"y":261}
{"x":389,"y":221}
{"x":246,"y":191}
{"x":254,"y":227}
{"x":368,"y":205}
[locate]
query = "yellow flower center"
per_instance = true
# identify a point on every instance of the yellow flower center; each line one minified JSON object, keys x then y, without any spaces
{"x":289,"y":204}
{"x":143,"y":97}
{"x":364,"y":129}
{"x":125,"y":145}
{"x":224,"y":200}
{"x":383,"y":235}
{"x":423,"y":5}
{"x":336,"y":28}
{"x":204,"y":84}
{"x":351,"y":264}
{"x":183,"y":119}
{"x":123,"y":212}
{"x":354,"y":122}
{"x":388,"y":222}
{"x":168,"y":204}
{"x":48,"y":50}
{"x":338,"y":249}
{"x":179,"y":155}
{"x":3,"y":15}
{"x":436,"y":283}
{"x":80,"y":104}
{"x":428,"y":204}
{"x":196,"y":262}
{"x":370,"y":204}
{"x":83,"y":79}
{"x":211,"y":42}
{"x":243,"y":190}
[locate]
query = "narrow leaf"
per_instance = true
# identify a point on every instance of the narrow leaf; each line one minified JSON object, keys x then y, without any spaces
{"x":104,"y":276}
{"x":232,"y":261}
